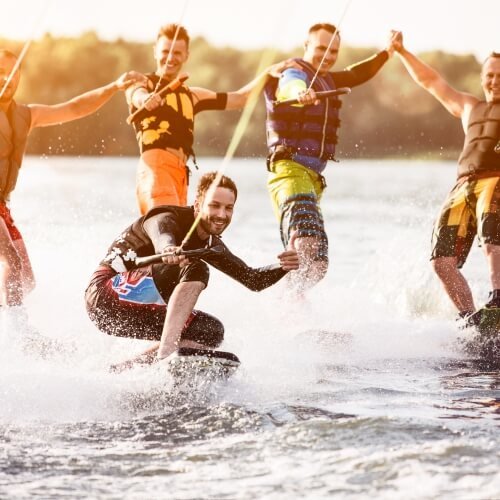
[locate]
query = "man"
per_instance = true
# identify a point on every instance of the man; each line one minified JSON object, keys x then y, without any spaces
{"x":156,"y":302}
{"x":16,"y":122}
{"x":473,"y":205}
{"x":302,"y":139}
{"x":164,"y":128}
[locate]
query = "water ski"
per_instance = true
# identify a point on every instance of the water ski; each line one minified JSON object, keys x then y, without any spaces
{"x":484,"y":344}
{"x":194,"y":365}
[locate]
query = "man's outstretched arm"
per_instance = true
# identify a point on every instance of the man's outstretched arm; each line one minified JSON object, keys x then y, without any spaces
{"x":428,"y":78}
{"x":85,"y":104}
{"x":238,"y":98}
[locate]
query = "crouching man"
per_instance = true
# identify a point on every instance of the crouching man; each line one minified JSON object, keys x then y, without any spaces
{"x":156,"y":302}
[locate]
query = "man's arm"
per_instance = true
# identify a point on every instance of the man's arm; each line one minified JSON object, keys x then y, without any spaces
{"x":82,"y":105}
{"x":256,"y":279}
{"x":361,"y":72}
{"x":428,"y":78}
{"x":238,"y":98}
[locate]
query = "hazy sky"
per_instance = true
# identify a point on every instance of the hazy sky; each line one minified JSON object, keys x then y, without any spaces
{"x":458,"y":26}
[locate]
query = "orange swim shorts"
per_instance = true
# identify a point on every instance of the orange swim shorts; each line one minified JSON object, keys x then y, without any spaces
{"x":162,"y":179}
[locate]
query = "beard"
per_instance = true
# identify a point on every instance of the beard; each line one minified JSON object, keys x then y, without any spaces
{"x":208,"y":227}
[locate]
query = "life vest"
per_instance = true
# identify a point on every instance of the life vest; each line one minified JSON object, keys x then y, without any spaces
{"x":481,"y":151}
{"x":307,"y":130}
{"x":14,"y":130}
{"x":169,"y":125}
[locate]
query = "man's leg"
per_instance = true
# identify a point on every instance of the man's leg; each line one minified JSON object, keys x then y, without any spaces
{"x":180,"y":306}
{"x":295,"y":193}
{"x":312,"y":270}
{"x":454,"y":283}
{"x":493,"y":258}
{"x":452,"y":239}
{"x":11,"y":284}
{"x":28,"y":277}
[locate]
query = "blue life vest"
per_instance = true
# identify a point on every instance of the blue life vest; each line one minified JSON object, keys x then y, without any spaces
{"x":309,"y":132}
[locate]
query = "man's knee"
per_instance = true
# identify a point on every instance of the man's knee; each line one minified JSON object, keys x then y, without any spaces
{"x":443,"y":266}
{"x":204,"y":329}
{"x":313,"y":250}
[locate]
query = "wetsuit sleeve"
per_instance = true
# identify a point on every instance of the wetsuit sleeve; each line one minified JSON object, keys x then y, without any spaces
{"x":163,"y":230}
{"x":218,"y":103}
{"x":360,"y":72}
{"x":256,"y":279}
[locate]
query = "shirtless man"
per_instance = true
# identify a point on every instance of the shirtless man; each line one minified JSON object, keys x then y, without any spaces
{"x":473,"y":205}
{"x":16,"y":122}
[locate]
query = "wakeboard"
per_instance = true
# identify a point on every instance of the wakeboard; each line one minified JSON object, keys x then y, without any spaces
{"x":484,"y":343}
{"x":195,"y":367}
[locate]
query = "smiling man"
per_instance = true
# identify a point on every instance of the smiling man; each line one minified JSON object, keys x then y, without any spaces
{"x":473,"y":205}
{"x":302,"y":139}
{"x":156,"y":302}
{"x":165,"y":126}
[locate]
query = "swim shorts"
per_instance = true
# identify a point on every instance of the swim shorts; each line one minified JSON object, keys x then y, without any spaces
{"x":162,"y":179}
{"x":472,"y":207}
{"x":295,"y":193}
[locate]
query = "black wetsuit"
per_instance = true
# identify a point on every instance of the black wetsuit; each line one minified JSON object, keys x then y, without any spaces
{"x":125,"y":300}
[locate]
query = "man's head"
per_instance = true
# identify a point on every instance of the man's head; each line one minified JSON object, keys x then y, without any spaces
{"x":7,"y":63}
{"x":490,"y":77}
{"x":170,"y":56}
{"x":316,"y":46}
{"x":215,"y":203}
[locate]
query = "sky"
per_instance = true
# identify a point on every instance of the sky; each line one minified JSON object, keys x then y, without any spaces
{"x":456,"y":26}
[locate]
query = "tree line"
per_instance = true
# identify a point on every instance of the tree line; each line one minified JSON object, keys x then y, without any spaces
{"x":388,"y":116}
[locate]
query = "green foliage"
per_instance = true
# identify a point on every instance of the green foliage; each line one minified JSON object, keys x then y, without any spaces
{"x":388,"y":116}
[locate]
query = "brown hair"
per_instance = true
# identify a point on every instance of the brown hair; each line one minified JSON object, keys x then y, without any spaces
{"x":206,"y":181}
{"x":169,"y":30}
{"x":324,"y":26}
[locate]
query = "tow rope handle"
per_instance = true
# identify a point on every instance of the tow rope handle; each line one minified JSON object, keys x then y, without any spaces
{"x":197,"y":253}
{"x":325,"y":94}
{"x":173,"y":85}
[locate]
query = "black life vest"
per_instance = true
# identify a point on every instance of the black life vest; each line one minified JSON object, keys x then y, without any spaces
{"x":170,"y":125}
{"x":14,"y":130}
{"x":481,"y":152}
{"x":307,"y":130}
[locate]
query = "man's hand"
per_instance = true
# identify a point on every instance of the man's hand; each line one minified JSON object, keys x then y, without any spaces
{"x":276,"y":69}
{"x":174,"y":258}
{"x":395,"y":42}
{"x":289,"y":260}
{"x":153,"y":101}
{"x":130,"y":78}
{"x":307,"y":97}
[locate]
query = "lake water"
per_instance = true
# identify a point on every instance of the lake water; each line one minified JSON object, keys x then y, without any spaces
{"x":359,"y":392}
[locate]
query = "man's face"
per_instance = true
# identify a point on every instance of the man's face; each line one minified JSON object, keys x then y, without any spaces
{"x":216,"y":210}
{"x":179,"y":53}
{"x":490,"y":79}
{"x":316,"y":47}
{"x":6,"y":66}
